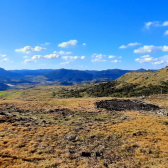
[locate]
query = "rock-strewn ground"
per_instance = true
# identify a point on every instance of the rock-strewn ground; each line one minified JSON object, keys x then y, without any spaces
{"x":80,"y":135}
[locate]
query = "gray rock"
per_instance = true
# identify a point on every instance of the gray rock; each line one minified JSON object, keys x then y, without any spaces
{"x":71,"y":137}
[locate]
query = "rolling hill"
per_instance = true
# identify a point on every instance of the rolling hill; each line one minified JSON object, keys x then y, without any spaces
{"x":145,"y":78}
{"x":68,"y":75}
{"x":25,"y":72}
{"x":138,"y":83}
{"x":8,"y":74}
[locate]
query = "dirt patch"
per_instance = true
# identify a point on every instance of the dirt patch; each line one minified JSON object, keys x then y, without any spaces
{"x":126,"y":104}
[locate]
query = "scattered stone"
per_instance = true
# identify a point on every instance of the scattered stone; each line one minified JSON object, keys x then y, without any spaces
{"x":71,"y":137}
{"x":165,"y":123}
{"x":137,"y":133}
{"x":126,"y":104}
{"x":92,"y":136}
{"x":86,"y":154}
{"x":3,"y":112}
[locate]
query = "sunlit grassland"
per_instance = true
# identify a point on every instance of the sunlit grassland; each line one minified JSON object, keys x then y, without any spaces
{"x":136,"y":139}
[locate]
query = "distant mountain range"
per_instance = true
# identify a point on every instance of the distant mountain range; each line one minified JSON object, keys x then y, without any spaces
{"x":59,"y":76}
{"x":31,"y":72}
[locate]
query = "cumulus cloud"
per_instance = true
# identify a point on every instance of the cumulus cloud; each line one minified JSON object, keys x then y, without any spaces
{"x":146,"y":58}
{"x":62,"y":52}
{"x":112,"y":56}
{"x":50,"y":56}
{"x":5,"y":60}
{"x":98,"y":60}
{"x":129,"y":45}
{"x":68,"y":43}
{"x":84,"y":44}
{"x":165,"y":48}
{"x":45,"y":44}
{"x":36,"y":57}
{"x":154,"y":61}
{"x":166,"y":32}
{"x":115,"y":61}
{"x":149,"y":24}
{"x":3,"y":55}
{"x":28,"y":61}
{"x":83,"y":57}
{"x":64,"y":63}
{"x":158,"y":62}
{"x":98,"y":57}
{"x":123,"y":46}
{"x":73,"y":57}
{"x":155,"y":24}
{"x":29,"y":49}
{"x":147,"y":49}
{"x":165,"y":23}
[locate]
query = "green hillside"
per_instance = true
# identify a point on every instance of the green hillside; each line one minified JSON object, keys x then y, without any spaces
{"x":145,"y":78}
{"x":129,"y":85}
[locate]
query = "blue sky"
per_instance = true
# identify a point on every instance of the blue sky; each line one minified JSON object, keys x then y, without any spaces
{"x":83,"y":34}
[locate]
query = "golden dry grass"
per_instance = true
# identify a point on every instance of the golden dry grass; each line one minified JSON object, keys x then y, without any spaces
{"x":127,"y":138}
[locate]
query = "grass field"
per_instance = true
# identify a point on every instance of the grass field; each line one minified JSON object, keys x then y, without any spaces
{"x":39,"y":130}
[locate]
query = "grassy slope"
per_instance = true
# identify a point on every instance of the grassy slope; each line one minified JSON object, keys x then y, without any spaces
{"x":145,"y":78}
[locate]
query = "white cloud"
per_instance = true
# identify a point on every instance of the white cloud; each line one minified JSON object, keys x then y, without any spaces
{"x":112,"y":56}
{"x":98,"y":57}
{"x":115,"y":61}
{"x":147,"y":49}
{"x":129,"y":45}
{"x":155,"y":24}
{"x":4,"y":55}
{"x":36,"y":57}
{"x":38,"y":48}
{"x":158,"y":62}
{"x":50,"y":56}
{"x":64,"y":63}
{"x":28,"y":60}
{"x":165,"y":48}
{"x":79,"y":66}
{"x":134,"y":44}
{"x":166,"y":32}
{"x":98,"y":60}
{"x":29,"y":49}
{"x":68,"y":43}
{"x":62,"y":52}
{"x":154,"y":61}
{"x":165,"y":23}
{"x":123,"y":46}
{"x":149,"y":24}
{"x":73,"y":57}
{"x":146,"y":58}
{"x":45,"y":44}
{"x":5,"y":60}
{"x":84,"y":44}
{"x":83,"y":57}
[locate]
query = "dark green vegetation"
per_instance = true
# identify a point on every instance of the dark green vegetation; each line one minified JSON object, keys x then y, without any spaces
{"x":111,"y":89}
{"x":131,"y":84}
